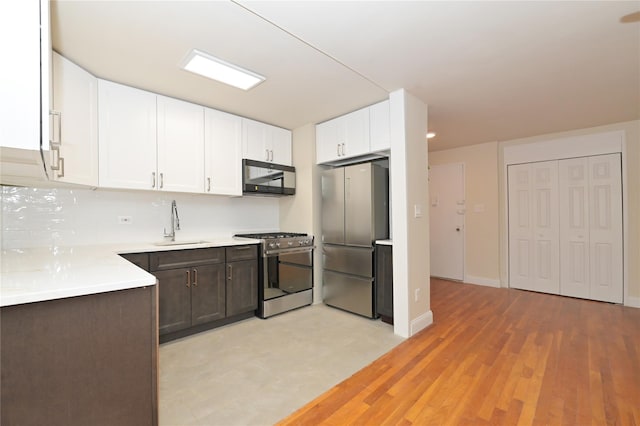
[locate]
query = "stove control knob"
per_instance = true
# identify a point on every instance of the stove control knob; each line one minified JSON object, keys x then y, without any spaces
{"x":272,"y":245}
{"x":278,"y":244}
{"x":290,"y":243}
{"x":301,"y":243}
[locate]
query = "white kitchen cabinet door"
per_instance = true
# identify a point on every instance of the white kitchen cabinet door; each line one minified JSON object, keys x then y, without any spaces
{"x":591,"y":228}
{"x":263,"y":142}
{"x":180,"y":145}
{"x":280,"y":145}
{"x":254,"y":140}
{"x":126,"y":137}
{"x":223,"y":153}
{"x":75,"y":98}
{"x":380,"y":139}
{"x":343,"y":137}
{"x":534,"y":227}
{"x":355,"y":136}
{"x":25,"y":79}
{"x":327,"y":145}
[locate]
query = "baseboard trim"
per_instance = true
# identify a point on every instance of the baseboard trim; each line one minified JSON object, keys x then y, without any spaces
{"x":488,"y":282}
{"x":420,"y":323}
{"x":631,"y":301}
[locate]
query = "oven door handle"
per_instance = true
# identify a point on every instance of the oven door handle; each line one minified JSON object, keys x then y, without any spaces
{"x":276,"y":252}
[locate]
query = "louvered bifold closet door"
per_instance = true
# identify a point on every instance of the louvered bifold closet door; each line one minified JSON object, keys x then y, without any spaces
{"x":534,"y":226}
{"x":591,"y":228}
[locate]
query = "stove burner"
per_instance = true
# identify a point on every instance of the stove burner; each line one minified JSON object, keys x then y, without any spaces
{"x":268,"y":235}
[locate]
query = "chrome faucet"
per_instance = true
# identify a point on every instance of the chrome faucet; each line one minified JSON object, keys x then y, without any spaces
{"x":175,"y":222}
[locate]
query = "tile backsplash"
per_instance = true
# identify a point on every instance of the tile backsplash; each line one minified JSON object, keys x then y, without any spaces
{"x":38,"y":217}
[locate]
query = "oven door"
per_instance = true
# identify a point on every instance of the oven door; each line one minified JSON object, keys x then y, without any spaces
{"x":288,"y":273}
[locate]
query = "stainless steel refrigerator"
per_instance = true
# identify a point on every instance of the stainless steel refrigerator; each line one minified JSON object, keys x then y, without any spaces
{"x":355,"y":213}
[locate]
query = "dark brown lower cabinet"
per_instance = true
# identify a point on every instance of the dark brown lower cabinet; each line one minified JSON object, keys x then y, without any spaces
{"x":191,"y":296}
{"x":242,"y":287}
{"x":203,"y":288}
{"x":208,"y":294}
{"x":384,"y":282}
{"x":87,"y":360}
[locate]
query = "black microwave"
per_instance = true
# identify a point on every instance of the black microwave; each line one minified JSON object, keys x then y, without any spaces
{"x":262,"y":178}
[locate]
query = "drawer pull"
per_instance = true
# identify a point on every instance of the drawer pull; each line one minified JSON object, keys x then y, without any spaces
{"x":230,"y":267}
{"x":188,"y":278}
{"x":195,"y":278}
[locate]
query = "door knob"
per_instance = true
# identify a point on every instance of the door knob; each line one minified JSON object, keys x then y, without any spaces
{"x":458,"y":229}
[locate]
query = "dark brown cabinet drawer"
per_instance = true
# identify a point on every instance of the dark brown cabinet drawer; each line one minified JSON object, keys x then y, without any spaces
{"x":247,"y":252}
{"x":185,"y":258}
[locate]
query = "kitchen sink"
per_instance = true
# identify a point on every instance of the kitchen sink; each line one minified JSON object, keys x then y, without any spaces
{"x":179,"y":243}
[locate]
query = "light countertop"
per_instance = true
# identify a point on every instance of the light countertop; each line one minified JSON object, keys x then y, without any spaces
{"x":45,"y":273}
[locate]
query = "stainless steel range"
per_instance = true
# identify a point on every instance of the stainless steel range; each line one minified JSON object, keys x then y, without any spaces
{"x":285,"y":271}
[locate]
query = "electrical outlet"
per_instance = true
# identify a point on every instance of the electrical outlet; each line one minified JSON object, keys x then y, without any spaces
{"x":125,"y":220}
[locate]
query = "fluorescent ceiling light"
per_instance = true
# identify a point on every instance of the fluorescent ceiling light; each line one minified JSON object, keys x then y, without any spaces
{"x":431,"y":135}
{"x":211,"y":67}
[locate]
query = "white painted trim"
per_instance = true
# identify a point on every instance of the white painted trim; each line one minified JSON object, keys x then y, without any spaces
{"x":489,"y":282}
{"x":567,"y":147}
{"x":421,"y":322}
{"x":632,"y":302}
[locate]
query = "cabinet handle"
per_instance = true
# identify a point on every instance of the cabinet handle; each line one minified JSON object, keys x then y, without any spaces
{"x":55,"y":157}
{"x":271,"y":159}
{"x":188,"y":278}
{"x":338,"y":149}
{"x":61,"y":166}
{"x":57,"y":116}
{"x":342,"y":149}
{"x":208,"y":184}
{"x":230,"y":268}
{"x":153,"y":179}
{"x":161,"y":180}
{"x":267,"y":155}
{"x":195,"y":277}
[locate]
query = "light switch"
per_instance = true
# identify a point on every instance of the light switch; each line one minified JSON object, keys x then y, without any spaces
{"x":417,"y":210}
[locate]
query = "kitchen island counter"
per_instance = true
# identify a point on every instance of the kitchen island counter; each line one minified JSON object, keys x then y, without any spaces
{"x":47,"y":273}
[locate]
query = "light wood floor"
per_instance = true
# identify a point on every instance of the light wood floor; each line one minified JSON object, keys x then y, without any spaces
{"x":500,"y":357}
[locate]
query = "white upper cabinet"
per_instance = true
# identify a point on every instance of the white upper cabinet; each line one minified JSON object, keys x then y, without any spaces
{"x":25,"y":78}
{"x":263,"y":142}
{"x":74,"y":159}
{"x":343,"y":137}
{"x":222,"y":153}
{"x":126,"y":137}
{"x":280,"y":145}
{"x":24,"y":91}
{"x":180,"y":145}
{"x":380,"y":139}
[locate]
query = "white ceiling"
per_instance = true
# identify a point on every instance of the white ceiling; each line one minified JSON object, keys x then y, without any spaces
{"x":488,"y":70}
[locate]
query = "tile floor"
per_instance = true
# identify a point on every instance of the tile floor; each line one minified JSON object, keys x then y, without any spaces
{"x":256,"y":372}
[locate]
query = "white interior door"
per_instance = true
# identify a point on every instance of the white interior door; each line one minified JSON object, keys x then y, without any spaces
{"x":534,"y":227}
{"x":565,"y":227}
{"x":446,"y":219}
{"x":605,"y":231}
{"x":574,"y":227}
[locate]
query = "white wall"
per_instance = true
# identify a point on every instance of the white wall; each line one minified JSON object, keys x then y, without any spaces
{"x":482,"y":228}
{"x":301,"y":213}
{"x":409,"y":190}
{"x":33,"y":217}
